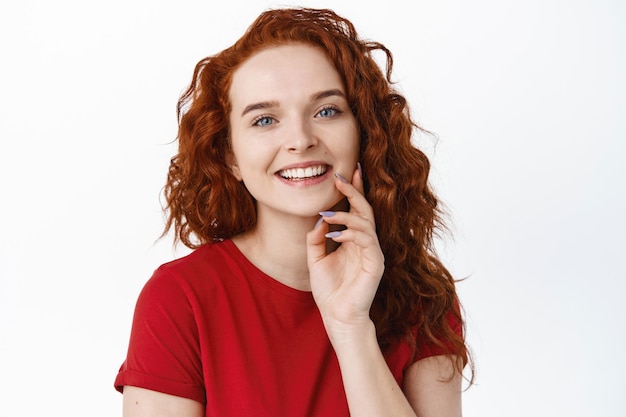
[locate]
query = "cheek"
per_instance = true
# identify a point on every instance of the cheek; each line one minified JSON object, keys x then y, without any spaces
{"x":355,"y":142}
{"x":251,"y":160}
{"x":354,"y":146}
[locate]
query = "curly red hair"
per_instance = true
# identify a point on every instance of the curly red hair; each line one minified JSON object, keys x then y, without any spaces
{"x":205,"y":202}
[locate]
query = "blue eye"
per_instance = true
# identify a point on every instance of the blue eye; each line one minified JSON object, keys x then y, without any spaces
{"x":328,"y":112}
{"x":263,"y":121}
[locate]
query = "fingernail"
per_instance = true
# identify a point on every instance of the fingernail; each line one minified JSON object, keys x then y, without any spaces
{"x":327,"y":213}
{"x":318,"y":223}
{"x":342,"y":179}
{"x":331,"y":235}
{"x":358,"y":165}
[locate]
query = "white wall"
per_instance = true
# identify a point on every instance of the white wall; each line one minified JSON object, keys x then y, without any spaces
{"x":528,"y":99}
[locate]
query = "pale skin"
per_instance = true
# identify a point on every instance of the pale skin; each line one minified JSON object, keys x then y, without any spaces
{"x":290,"y":240}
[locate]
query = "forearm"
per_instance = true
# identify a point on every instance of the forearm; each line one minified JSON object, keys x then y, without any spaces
{"x":370,"y":387}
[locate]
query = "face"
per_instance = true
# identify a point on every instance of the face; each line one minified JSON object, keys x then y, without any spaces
{"x":291,"y":130}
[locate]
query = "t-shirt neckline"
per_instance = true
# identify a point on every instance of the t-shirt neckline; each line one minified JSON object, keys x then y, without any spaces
{"x":268,"y":281}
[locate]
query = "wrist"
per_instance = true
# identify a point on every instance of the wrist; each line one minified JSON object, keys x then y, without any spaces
{"x":348,"y":336}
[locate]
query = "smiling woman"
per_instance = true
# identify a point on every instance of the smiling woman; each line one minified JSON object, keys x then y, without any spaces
{"x":312,"y":289}
{"x":306,"y":125}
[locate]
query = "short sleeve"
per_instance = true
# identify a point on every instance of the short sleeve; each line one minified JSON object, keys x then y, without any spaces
{"x":426,"y":349}
{"x":163,"y":352}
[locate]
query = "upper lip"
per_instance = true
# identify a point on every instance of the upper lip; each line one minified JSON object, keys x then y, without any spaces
{"x":303,"y":169}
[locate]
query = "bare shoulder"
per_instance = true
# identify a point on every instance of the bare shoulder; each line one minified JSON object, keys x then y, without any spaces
{"x":141,"y":402}
{"x":433,"y":387}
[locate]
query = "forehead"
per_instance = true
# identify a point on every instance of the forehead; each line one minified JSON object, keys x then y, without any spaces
{"x":283,"y":72}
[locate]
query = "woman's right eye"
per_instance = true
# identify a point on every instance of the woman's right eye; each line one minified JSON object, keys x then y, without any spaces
{"x":263,"y":121}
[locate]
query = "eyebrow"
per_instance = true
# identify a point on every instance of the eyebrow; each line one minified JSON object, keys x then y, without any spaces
{"x":314,"y":97}
{"x":259,"y":106}
{"x":327,"y":93}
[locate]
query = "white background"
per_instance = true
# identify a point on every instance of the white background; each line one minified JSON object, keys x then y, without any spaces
{"x":528,"y":102}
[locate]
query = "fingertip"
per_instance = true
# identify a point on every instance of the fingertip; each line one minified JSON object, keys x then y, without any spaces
{"x":334,"y":234}
{"x":319,"y":222}
{"x":316,"y":235}
{"x":341,"y":178}
{"x":357,"y":178}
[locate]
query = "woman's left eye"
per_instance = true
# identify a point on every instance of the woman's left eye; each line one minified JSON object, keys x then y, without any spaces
{"x":328,"y":112}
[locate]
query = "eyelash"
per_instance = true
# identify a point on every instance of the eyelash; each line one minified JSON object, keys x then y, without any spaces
{"x":256,"y":120}
{"x":330,"y":107}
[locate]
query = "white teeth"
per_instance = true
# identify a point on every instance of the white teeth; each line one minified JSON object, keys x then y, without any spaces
{"x":302,"y":173}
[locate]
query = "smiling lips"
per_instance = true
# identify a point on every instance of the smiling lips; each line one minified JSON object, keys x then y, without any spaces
{"x":297,"y":174}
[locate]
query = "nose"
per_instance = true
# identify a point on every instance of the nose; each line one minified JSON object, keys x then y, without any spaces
{"x":300,"y":137}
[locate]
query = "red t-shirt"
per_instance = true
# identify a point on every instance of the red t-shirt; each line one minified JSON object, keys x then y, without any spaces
{"x":213,"y":328}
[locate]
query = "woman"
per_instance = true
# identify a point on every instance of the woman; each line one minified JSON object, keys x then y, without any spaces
{"x":313,"y":289}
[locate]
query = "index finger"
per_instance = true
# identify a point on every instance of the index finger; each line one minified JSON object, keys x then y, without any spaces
{"x":354,"y":193}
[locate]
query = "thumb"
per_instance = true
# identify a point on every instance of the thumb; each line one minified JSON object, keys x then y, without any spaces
{"x":316,"y":242}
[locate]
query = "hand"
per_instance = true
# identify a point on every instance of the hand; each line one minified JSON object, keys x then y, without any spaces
{"x":345,"y":281}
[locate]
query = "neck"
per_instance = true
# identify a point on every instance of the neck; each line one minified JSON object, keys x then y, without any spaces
{"x":277,"y":246}
{"x":280,"y":252}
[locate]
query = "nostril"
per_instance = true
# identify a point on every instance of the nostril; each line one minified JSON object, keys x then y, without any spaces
{"x":300,"y":141}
